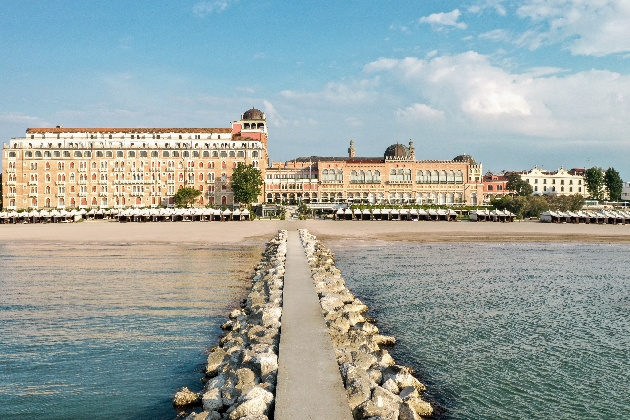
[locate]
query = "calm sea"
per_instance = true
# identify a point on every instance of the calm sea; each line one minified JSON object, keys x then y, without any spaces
{"x":111,"y":332}
{"x":504,"y":331}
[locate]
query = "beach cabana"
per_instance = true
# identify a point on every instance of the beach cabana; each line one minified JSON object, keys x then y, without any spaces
{"x":413,"y":215}
{"x":245,"y":215}
{"x":357,"y":214}
{"x":377,"y":215}
{"x":366,"y":215}
{"x":226,"y":215}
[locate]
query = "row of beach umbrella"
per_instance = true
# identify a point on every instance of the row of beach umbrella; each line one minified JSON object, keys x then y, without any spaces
{"x":396,"y":214}
{"x":601,"y":217}
{"x":126,"y":215}
{"x":491,"y":216}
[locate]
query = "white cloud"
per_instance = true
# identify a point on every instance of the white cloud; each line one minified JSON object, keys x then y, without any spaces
{"x":273,"y":115}
{"x":204,"y":8}
{"x":444,"y":19}
{"x":361,"y":91}
{"x":17,"y":118}
{"x":259,"y":56}
{"x":469,"y":91}
{"x":401,"y":28}
{"x":495,"y":35}
{"x":481,"y":6}
{"x":419,"y":112}
{"x":589,"y":27}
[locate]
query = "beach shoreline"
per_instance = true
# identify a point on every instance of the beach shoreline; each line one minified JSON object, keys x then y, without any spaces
{"x":104,"y":231}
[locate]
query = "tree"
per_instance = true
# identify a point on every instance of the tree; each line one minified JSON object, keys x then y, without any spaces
{"x":186,"y":196}
{"x":246,"y":183}
{"x":614,"y":184}
{"x":515,"y":183}
{"x":594,"y":180}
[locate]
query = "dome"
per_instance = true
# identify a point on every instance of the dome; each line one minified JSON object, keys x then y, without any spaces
{"x":397,"y":151}
{"x":465,"y":158}
{"x":253,"y":114}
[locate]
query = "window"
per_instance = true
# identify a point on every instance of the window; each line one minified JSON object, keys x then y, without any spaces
{"x":206,"y":153}
{"x":109,"y":154}
{"x":185,"y":153}
{"x":166,"y":153}
{"x":489,"y":187}
{"x":12,"y":154}
{"x":154,"y":153}
{"x":119,"y":153}
{"x":87,"y":154}
{"x":28,"y":154}
{"x":240,"y":154}
{"x":99,"y":153}
{"x":38,"y":154}
{"x":143,"y":153}
{"x":175,"y":153}
{"x":131,"y":154}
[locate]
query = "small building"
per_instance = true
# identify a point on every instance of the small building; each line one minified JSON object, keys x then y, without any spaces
{"x":560,"y":182}
{"x":494,"y":186}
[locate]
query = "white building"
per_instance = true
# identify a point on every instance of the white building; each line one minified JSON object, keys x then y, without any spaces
{"x":560,"y":182}
{"x":625,"y":191}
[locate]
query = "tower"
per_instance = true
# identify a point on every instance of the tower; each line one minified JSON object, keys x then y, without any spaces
{"x":352,"y":151}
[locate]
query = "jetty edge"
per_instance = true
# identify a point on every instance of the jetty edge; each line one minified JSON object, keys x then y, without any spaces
{"x":376,"y":387}
{"x":241,"y":372}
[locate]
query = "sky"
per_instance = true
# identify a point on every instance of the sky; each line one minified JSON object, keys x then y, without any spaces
{"x":515,"y":84}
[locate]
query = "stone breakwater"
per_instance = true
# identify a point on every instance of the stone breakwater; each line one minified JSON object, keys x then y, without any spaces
{"x":376,"y":387}
{"x":241,"y":372}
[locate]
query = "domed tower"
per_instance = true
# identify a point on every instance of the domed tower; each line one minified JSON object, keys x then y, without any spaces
{"x":253,"y":124}
{"x":397,"y":152}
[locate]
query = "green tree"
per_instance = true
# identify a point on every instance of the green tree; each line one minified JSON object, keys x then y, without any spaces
{"x":186,"y":196}
{"x":594,"y":180}
{"x":246,"y":183}
{"x":515,"y":183}
{"x":614,"y":184}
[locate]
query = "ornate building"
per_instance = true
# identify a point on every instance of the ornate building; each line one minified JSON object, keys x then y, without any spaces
{"x":120,"y":167}
{"x":397,"y":177}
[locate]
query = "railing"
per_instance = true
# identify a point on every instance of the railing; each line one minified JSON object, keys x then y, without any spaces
{"x":82,"y":181}
{"x":60,"y":182}
{"x":102,"y":182}
{"x":32,"y":182}
{"x":11,"y":183}
{"x":82,"y":194}
{"x":11,"y":195}
{"x":60,"y":195}
{"x":11,"y":170}
{"x":335,"y":181}
{"x":355,"y":181}
{"x":82,"y":169}
{"x":102,"y":194}
{"x":400,"y":182}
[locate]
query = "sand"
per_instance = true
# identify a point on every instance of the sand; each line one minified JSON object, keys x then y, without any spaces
{"x":103,"y":231}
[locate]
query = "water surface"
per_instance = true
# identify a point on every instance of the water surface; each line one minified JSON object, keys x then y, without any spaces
{"x":504,"y":331}
{"x":111,"y":331}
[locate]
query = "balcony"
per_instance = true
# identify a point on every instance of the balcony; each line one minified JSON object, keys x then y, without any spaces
{"x":136,"y":194}
{"x":11,"y":170}
{"x":83,"y":194}
{"x":10,"y":183}
{"x":11,"y":195}
{"x":102,"y":170}
{"x":32,"y":182}
{"x":82,"y":169}
{"x":60,"y":182}
{"x":210,"y":181}
{"x":59,"y":195}
{"x":356,"y":181}
{"x":170,"y":181}
{"x":102,"y":194}
{"x":408,"y":182}
{"x":83,"y":182}
{"x":170,"y":169}
{"x":102,"y":182}
{"x":332,"y":181}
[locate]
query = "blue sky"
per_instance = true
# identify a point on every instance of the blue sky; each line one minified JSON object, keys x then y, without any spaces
{"x":515,"y":84}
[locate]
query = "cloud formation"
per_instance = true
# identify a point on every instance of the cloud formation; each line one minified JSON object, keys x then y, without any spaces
{"x":590,"y":27}
{"x":444,"y":19}
{"x":204,"y":8}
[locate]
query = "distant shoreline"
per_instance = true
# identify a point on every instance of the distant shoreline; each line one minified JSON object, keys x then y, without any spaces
{"x":260,"y":230}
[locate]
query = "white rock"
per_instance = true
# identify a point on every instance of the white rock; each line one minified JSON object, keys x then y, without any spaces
{"x":212,"y":400}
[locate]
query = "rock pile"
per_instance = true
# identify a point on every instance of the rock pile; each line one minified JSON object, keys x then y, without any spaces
{"x":376,"y":387}
{"x":241,"y":372}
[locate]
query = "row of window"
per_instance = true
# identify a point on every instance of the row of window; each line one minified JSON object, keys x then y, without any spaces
{"x":135,"y":176}
{"x":133,"y":153}
{"x":134,"y":136}
{"x":553,"y":181}
{"x":553,"y":189}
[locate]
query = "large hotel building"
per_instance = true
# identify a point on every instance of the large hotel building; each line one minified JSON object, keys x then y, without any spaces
{"x":144,"y":167}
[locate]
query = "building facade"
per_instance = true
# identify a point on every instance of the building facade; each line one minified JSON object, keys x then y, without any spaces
{"x":625,"y":191}
{"x":494,"y":186}
{"x":122,"y":167}
{"x":560,"y":182}
{"x":397,"y":177}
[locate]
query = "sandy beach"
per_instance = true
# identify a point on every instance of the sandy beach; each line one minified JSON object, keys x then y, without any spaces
{"x":103,"y":231}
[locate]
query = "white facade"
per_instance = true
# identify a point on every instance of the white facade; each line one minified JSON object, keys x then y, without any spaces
{"x":560,"y":182}
{"x":625,"y":191}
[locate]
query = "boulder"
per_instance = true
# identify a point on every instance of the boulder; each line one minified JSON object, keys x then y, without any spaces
{"x":406,"y":412}
{"x":212,"y":400}
{"x":268,"y":365}
{"x":215,"y":359}
{"x":391,"y":386}
{"x":421,"y":407}
{"x":255,"y":402}
{"x":185,"y":397}
{"x":402,"y":377}
{"x":330,"y":303}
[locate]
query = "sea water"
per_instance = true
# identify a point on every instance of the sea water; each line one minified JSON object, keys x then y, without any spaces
{"x":111,"y":331}
{"x":504,"y":331}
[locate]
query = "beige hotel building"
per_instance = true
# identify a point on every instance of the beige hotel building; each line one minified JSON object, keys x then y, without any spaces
{"x":123,"y":167}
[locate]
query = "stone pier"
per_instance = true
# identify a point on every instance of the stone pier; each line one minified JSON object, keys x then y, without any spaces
{"x":309,"y":383}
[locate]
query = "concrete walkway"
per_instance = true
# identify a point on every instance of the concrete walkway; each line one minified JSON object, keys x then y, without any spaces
{"x":309,"y":382}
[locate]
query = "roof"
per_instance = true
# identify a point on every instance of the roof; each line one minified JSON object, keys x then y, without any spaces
{"x":125,"y":130}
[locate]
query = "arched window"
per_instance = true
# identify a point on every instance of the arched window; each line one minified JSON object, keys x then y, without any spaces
{"x":435,"y":178}
{"x":443,"y":177}
{"x":459,"y":177}
{"x":489,"y":187}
